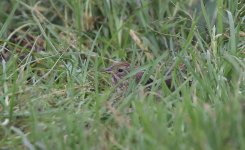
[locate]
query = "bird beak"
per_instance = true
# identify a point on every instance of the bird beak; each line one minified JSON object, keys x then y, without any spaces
{"x":107,"y":70}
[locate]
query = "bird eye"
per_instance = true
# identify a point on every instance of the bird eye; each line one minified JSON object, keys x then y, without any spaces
{"x":120,"y":70}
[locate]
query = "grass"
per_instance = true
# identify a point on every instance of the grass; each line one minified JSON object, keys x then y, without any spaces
{"x":53,"y":94}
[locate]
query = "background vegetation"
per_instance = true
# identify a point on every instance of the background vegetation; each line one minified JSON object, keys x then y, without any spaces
{"x":54,"y":96}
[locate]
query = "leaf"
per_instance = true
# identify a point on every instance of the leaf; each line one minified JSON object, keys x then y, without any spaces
{"x":141,"y":45}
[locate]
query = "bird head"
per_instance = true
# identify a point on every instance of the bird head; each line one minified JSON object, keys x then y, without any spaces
{"x":121,"y":69}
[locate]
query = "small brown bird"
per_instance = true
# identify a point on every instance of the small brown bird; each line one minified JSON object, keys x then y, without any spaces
{"x":120,"y":70}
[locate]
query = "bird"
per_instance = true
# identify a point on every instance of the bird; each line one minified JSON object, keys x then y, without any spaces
{"x":120,"y":70}
{"x":123,"y":73}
